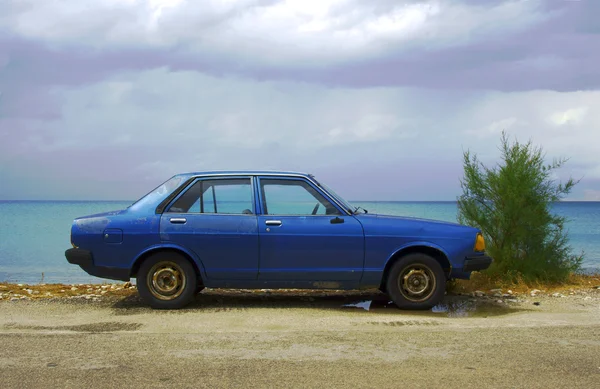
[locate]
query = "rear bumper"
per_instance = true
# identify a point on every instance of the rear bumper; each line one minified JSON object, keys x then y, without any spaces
{"x":477,"y":262}
{"x":84,"y":259}
{"x":79,"y":257}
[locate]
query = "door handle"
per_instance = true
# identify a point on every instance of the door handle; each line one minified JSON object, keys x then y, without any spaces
{"x":178,"y":220}
{"x":273,"y":222}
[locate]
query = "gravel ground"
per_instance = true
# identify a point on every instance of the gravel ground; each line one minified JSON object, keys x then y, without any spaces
{"x":301,"y":339}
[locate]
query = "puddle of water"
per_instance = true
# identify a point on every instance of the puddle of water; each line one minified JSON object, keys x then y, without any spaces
{"x":366,"y":305}
{"x":451,"y":308}
{"x":466,"y":308}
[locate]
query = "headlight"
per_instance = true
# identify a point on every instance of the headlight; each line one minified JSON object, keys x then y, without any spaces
{"x":479,"y":243}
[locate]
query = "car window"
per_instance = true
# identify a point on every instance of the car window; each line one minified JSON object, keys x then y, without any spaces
{"x":229,"y":196}
{"x":345,"y":204}
{"x":294,"y":197}
{"x":159,"y":193}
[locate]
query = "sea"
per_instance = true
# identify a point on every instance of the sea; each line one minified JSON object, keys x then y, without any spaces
{"x":35,"y":234}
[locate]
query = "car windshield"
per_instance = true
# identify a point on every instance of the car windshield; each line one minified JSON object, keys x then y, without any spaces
{"x":159,"y":193}
{"x":337,"y":197}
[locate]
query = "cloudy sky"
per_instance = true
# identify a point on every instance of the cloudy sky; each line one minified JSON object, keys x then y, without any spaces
{"x":105,"y":99}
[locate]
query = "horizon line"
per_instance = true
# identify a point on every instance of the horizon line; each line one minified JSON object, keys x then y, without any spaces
{"x":352,"y":201}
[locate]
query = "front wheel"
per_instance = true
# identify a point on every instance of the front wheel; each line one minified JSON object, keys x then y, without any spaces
{"x":167,"y":281}
{"x":416,"y":281}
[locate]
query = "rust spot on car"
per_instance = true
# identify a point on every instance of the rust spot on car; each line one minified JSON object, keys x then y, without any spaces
{"x":327,"y":285}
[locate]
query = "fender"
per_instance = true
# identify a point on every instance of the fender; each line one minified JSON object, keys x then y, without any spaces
{"x":415,"y":244}
{"x":172,"y":246}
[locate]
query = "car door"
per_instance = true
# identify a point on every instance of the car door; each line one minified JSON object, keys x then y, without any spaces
{"x":216,"y":219}
{"x":303,"y":236}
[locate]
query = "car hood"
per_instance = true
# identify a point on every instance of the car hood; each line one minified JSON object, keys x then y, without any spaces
{"x":386,"y":224}
{"x":395,"y":218}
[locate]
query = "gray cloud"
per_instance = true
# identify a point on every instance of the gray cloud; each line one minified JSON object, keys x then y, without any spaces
{"x":549,"y":45}
{"x":105,"y":102}
{"x":135,"y":129}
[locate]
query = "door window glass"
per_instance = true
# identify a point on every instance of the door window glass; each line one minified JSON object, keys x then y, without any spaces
{"x":229,"y":196}
{"x":294,"y":197}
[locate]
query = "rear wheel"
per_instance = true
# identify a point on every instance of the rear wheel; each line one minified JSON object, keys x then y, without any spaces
{"x":416,"y":281}
{"x":167,"y":280}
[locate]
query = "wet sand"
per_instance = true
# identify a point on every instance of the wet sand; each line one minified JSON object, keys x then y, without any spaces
{"x":301,"y":339}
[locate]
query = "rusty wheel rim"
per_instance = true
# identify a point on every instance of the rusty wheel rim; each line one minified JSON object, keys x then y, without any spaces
{"x":417,"y":283}
{"x":166,"y":280}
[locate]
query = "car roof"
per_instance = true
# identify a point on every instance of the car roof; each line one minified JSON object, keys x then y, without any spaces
{"x":246,"y":173}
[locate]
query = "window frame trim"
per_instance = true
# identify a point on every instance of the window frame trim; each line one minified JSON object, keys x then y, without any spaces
{"x":188,"y":185}
{"x":316,"y":188}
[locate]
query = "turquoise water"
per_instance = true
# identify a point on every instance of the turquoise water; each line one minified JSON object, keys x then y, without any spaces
{"x":35,"y":234}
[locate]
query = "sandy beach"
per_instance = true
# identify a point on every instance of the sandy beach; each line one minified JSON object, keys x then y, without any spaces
{"x":298,"y":339}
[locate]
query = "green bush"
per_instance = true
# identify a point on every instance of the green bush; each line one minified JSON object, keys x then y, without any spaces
{"x":511,"y":204}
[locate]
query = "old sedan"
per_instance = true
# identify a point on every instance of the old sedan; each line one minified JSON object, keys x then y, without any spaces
{"x":270,"y":230}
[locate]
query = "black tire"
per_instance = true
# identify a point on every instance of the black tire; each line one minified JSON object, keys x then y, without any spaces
{"x":416,"y":281}
{"x":167,"y":280}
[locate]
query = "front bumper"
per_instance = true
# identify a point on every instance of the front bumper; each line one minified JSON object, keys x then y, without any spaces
{"x":477,"y":262}
{"x":84,"y":259}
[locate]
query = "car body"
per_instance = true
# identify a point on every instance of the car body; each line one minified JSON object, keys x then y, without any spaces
{"x":258,"y":229}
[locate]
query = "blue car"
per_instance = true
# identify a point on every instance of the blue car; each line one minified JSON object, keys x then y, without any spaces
{"x":257,"y":230}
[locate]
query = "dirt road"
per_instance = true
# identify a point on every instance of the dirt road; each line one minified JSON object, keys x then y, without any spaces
{"x":247,"y":340}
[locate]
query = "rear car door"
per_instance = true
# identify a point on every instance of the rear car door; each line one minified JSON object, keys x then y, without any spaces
{"x":304,"y":236}
{"x":215,"y":217}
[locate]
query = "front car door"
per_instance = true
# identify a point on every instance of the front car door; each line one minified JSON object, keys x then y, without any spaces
{"x":304,"y":236}
{"x":216,"y":219}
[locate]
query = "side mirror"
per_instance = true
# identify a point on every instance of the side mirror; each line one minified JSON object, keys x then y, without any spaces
{"x":336,"y":220}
